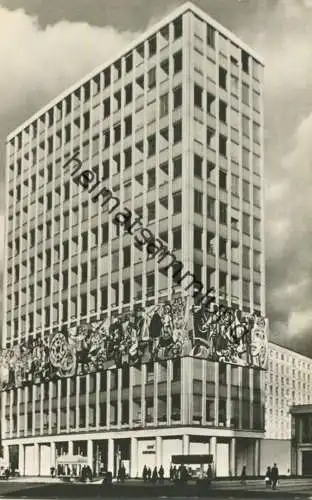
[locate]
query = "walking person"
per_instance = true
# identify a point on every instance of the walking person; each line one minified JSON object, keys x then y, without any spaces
{"x":161,"y":474}
{"x":122,"y":473}
{"x":243,"y":476}
{"x":171,"y":473}
{"x":267,"y":478}
{"x":274,"y":476}
{"x":154,"y":476}
{"x":144,"y":475}
{"x":149,"y":473}
{"x":209,"y":473}
{"x":174,"y":473}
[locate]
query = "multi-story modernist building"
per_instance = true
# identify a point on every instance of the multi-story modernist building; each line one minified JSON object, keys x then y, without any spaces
{"x":289,"y":383}
{"x":103,"y":353}
{"x":301,"y":442}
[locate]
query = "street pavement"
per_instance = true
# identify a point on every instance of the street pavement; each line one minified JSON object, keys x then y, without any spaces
{"x":32,"y":489}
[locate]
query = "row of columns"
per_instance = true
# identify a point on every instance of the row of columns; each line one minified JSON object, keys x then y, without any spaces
{"x":134,"y":454}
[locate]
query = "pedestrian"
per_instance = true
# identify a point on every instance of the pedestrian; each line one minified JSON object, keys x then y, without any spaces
{"x":209,"y":473}
{"x":144,"y":475}
{"x":119,"y":474}
{"x":161,"y":474}
{"x":183,"y":474}
{"x":267,"y":478}
{"x":122,"y":473}
{"x":171,"y":473}
{"x":88,"y":473}
{"x":274,"y":476}
{"x":243,"y":476}
{"x":52,"y":470}
{"x":174,"y":473}
{"x":149,"y":474}
{"x":154,"y":475}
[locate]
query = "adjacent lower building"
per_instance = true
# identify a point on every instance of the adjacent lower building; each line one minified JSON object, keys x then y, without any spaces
{"x":134,"y":312}
{"x":301,"y":440}
{"x":288,"y":383}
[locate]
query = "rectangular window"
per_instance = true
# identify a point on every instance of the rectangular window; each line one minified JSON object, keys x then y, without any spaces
{"x":177,"y":132}
{"x":210,"y":36}
{"x":151,"y":179}
{"x":152,"y":46}
{"x":117,"y":133}
{"x":256,"y":132}
{"x":126,"y":256}
{"x":177,"y":62}
{"x":257,"y":293}
{"x":245,"y":94}
{"x":177,"y":167}
{"x":128,"y":157}
{"x":222,"y":145}
{"x":246,"y":290}
{"x":210,"y":101}
{"x":222,"y":111}
{"x":256,"y":196}
{"x":164,"y":105}
{"x":223,"y":213}
{"x":128,"y":93}
{"x":245,"y":61}
{"x":178,"y":28}
{"x":151,"y":78}
{"x":246,"y":191}
{"x":198,"y":96}
{"x":210,"y":133}
{"x":177,"y":238}
{"x":106,"y":104}
{"x":235,"y":185}
{"x":246,"y":257}
{"x":222,"y":180}
{"x":256,"y":260}
{"x":151,"y":212}
{"x":245,"y":122}
{"x":177,"y":202}
{"x":256,"y":100}
{"x":197,"y":238}
{"x":129,"y":63}
{"x":93,"y":269}
{"x":211,"y":207}
{"x":128,"y":125}
{"x":222,"y":78}
{"x":151,"y":145}
{"x":198,"y":162}
{"x":177,"y":97}
{"x":256,"y":228}
{"x":246,"y":224}
{"x":198,"y":202}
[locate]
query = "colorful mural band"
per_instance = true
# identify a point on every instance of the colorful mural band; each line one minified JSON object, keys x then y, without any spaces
{"x":160,"y":332}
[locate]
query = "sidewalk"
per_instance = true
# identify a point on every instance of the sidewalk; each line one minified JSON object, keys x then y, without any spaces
{"x":223,"y":483}
{"x":134,"y":489}
{"x":138,"y":487}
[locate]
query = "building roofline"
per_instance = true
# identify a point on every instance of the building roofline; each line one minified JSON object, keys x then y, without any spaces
{"x":187,"y":6}
{"x":289,"y":349}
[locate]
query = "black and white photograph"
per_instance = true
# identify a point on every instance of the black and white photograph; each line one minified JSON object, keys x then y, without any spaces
{"x":155,"y":255}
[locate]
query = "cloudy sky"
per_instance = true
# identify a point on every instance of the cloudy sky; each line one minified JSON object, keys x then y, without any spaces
{"x":46,"y":46}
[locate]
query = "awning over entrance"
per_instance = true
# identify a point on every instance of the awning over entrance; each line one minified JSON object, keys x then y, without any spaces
{"x":71,"y":459}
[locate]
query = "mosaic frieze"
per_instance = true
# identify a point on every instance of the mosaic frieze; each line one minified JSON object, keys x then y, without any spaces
{"x":164,"y":331}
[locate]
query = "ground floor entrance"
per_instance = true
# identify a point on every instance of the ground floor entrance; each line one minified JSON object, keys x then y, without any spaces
{"x":107,"y":451}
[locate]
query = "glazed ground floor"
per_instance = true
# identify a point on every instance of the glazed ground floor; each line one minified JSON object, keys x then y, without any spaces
{"x":154,"y":447}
